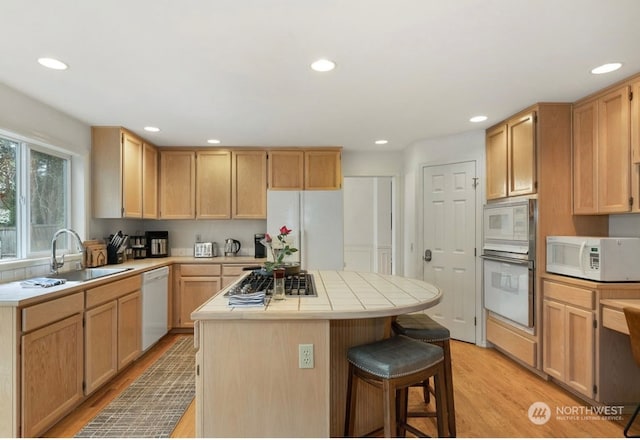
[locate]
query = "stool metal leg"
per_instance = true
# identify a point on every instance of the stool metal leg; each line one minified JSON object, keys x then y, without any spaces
{"x":448,"y":377}
{"x":630,"y":422}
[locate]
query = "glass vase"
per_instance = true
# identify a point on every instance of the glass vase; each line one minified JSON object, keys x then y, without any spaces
{"x":278,"y":284}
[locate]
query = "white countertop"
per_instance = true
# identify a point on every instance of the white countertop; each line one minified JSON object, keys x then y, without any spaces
{"x":12,"y":294}
{"x":341,"y":295}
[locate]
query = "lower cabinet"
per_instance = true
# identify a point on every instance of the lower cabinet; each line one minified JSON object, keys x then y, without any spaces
{"x":569,"y":336}
{"x":112,"y":330}
{"x":51,"y":360}
{"x":197,"y":283}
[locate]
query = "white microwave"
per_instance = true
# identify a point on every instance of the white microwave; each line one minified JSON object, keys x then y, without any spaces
{"x":595,"y":258}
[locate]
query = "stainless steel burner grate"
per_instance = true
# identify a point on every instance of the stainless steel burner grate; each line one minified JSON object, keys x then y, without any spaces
{"x":301,"y":284}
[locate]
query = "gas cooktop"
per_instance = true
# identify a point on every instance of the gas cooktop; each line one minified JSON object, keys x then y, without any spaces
{"x":300,"y":284}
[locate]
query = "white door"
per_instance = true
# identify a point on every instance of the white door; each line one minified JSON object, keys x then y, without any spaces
{"x":367,"y":224}
{"x":449,"y":229}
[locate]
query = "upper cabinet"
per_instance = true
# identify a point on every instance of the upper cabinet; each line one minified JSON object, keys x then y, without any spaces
{"x":286,"y":169}
{"x":511,"y":157}
{"x":213,"y":184}
{"x":496,"y":147}
{"x":121,"y":166}
{"x":249,"y":184}
{"x":602,"y":154}
{"x":177,"y":184}
{"x":149,"y":181}
{"x":305,"y":169}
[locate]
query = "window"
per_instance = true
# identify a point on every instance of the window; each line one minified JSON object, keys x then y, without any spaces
{"x":34,"y":198}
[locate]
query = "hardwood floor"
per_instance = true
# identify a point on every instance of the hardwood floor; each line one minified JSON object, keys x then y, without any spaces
{"x":492,"y":397}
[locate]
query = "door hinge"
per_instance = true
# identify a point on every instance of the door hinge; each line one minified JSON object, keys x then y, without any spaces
{"x":197,"y":370}
{"x":595,"y":389}
{"x":475,"y":182}
{"x":595,"y":323}
{"x":475,"y":321}
{"x":475,"y":252}
{"x":630,"y":95}
{"x":84,"y":386}
{"x":631,"y":201}
{"x":83,"y":321}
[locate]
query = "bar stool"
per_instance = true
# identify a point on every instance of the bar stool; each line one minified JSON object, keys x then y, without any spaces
{"x":421,"y":327}
{"x":632,"y":317}
{"x":394,"y":365}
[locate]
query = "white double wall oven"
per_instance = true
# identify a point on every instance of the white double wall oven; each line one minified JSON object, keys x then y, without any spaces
{"x":509,"y":249}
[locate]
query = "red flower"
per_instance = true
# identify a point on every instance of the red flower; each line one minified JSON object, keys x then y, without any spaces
{"x":284,"y":230}
{"x":267,"y":238}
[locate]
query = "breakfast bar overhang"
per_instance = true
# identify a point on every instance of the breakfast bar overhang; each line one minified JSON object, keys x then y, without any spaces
{"x":248,"y":379}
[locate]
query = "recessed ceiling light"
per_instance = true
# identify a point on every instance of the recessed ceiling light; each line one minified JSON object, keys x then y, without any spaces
{"x":479,"y":118}
{"x":152,"y":129}
{"x":381,"y":142}
{"x":213,"y":141}
{"x":323,"y":65}
{"x":52,"y":63}
{"x":606,"y":68}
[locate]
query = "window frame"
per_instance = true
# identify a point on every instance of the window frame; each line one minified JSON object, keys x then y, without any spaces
{"x":23,"y":192}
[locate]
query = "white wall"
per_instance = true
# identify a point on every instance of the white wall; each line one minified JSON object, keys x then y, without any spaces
{"x":450,"y":149}
{"x":26,"y":117}
{"x":624,"y":225}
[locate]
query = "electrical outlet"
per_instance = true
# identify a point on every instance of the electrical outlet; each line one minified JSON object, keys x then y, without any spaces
{"x":198,"y":238}
{"x":305,"y":356}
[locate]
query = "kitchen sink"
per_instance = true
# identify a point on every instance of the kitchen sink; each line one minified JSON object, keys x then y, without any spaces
{"x":88,"y":274}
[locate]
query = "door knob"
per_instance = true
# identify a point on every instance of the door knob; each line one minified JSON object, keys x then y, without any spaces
{"x":427,"y":255}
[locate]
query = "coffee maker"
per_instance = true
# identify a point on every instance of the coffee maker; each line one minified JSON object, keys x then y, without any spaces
{"x":157,"y":244}
{"x":260,"y":249}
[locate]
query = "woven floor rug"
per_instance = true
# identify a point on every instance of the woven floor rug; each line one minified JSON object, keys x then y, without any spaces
{"x":154,"y":403}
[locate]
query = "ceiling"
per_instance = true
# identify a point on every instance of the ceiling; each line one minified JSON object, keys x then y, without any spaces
{"x":238,"y":70}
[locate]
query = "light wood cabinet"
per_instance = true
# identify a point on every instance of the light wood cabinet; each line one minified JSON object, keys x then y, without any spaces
{"x":585,"y":139}
{"x":213,"y":184}
{"x":149,"y":181}
{"x":119,"y":173}
{"x":286,"y":169}
{"x":496,"y":152}
{"x":305,"y":169}
{"x":196,"y":284}
{"x":101,"y":345}
{"x":249,"y":184}
{"x":322,"y":169}
{"x":511,"y":157}
{"x":230,"y":273}
{"x":569,"y":336}
{"x":177,"y":184}
{"x":602,"y":153}
{"x":52,"y":373}
{"x":113,"y":326}
{"x":129,"y":328}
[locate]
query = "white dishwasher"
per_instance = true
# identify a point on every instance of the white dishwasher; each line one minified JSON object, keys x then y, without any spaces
{"x":155,"y":287}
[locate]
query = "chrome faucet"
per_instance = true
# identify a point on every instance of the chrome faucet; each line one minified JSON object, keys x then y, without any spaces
{"x":55,"y":265}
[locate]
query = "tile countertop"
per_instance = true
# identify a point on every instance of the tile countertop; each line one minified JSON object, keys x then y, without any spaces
{"x":341,"y":295}
{"x":12,"y":294}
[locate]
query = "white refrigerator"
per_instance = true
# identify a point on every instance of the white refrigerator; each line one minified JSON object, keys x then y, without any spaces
{"x":316,"y":221}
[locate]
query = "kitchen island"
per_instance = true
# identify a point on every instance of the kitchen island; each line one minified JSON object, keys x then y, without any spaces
{"x":248,"y":380}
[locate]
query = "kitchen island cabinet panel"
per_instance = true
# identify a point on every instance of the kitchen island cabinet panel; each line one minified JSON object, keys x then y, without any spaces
{"x":52,"y":373}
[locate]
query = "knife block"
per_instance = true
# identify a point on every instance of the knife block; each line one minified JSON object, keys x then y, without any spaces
{"x":114,"y":257}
